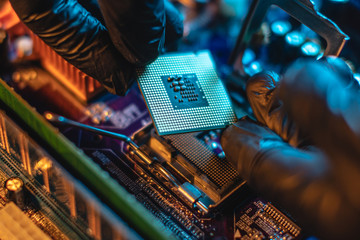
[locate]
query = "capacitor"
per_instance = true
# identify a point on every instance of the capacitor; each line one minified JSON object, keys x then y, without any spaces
{"x":280,"y":28}
{"x":14,"y":188}
{"x":310,"y":49}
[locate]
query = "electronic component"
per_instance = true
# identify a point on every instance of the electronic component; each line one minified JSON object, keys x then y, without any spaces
{"x":196,"y":158}
{"x":58,"y":203}
{"x":293,"y":42}
{"x":15,"y":225}
{"x":261,"y":220}
{"x":186,"y":190}
{"x":14,"y":187}
{"x":280,"y":28}
{"x":310,"y":49}
{"x":212,"y":140}
{"x":183,"y":94}
{"x":78,"y":83}
{"x":185,"y":91}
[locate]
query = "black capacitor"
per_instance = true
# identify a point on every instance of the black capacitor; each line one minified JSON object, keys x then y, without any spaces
{"x":4,"y":49}
{"x":14,"y":188}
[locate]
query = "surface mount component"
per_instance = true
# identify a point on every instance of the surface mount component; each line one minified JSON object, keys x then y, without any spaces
{"x":183,"y":93}
{"x":263,"y":220}
{"x":14,"y":191}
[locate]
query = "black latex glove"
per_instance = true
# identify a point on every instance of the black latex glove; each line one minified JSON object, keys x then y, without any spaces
{"x":133,"y":35}
{"x":319,"y":186}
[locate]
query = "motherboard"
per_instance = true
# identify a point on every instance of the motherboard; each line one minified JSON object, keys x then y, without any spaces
{"x":51,"y":197}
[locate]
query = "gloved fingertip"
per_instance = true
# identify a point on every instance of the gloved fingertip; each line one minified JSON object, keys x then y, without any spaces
{"x":262,"y":83}
{"x":259,"y":91}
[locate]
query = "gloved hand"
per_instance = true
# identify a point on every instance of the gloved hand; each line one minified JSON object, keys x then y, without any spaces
{"x":319,"y":184}
{"x":131,"y":33}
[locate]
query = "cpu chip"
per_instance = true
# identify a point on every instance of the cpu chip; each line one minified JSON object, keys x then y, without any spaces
{"x":183,"y":94}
